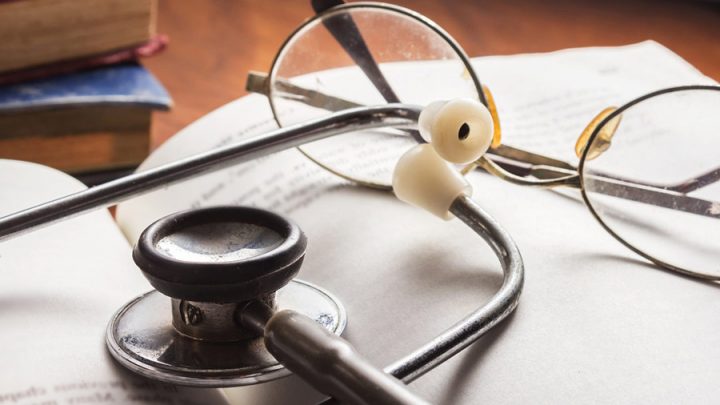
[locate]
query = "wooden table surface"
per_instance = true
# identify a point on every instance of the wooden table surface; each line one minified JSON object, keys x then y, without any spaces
{"x":214,"y":43}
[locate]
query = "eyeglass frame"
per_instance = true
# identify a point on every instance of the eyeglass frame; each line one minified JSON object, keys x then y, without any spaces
{"x":502,"y":161}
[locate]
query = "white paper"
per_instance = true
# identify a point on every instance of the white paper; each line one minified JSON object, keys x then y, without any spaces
{"x":596,"y":324}
{"x":545,"y":100}
{"x":60,"y":287}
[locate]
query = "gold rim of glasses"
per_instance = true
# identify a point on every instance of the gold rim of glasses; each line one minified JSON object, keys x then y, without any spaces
{"x":597,"y":131}
{"x":508,"y":163}
{"x":481,"y":91}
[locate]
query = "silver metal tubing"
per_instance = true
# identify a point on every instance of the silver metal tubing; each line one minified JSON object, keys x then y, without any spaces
{"x":477,"y":323}
{"x":113,"y":192}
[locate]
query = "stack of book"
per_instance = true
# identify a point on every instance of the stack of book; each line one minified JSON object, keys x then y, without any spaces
{"x":72,"y":94}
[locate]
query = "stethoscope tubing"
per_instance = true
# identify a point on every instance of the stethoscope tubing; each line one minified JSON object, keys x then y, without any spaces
{"x":116,"y":191}
{"x":407,"y":369}
{"x":477,"y":323}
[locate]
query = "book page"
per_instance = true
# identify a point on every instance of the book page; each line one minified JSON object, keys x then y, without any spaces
{"x":595,"y":324}
{"x":61,"y":285}
{"x":546,"y":100}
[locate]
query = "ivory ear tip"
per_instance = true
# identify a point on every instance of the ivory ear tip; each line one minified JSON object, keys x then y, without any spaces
{"x":462,"y":130}
{"x":422,"y":178}
{"x":458,"y":131}
{"x":427,"y":117}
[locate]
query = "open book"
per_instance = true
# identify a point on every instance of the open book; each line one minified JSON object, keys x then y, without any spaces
{"x":595,"y":323}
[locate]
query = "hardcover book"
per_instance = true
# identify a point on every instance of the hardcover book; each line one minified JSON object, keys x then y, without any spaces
{"x":89,"y":120}
{"x":39,"y":32}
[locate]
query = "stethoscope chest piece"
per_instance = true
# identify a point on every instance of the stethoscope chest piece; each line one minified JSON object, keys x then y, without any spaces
{"x":211,"y":268}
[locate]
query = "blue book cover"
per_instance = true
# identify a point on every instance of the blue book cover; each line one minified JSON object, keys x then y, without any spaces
{"x":124,"y":84}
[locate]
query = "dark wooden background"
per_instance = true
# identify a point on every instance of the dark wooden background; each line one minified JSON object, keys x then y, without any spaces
{"x":214,"y":43}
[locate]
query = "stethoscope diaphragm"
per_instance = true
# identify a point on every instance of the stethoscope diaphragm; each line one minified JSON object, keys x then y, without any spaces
{"x":206,"y":266}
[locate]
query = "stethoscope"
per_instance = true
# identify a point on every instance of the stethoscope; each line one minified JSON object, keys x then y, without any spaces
{"x":227,"y":309}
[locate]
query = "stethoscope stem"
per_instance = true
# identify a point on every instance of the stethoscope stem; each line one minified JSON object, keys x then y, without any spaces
{"x":323,"y":359}
{"x":113,"y":192}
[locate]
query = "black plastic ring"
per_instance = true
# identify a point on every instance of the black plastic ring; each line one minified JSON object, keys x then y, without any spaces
{"x":223,"y":281}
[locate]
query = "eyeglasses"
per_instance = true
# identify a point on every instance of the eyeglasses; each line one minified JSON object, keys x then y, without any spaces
{"x":648,"y":170}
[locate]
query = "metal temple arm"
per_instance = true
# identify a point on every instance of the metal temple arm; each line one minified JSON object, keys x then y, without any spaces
{"x":347,"y":34}
{"x":696,"y":183}
{"x":658,"y":197}
{"x":524,"y":163}
{"x":257,"y":82}
{"x":607,"y":185}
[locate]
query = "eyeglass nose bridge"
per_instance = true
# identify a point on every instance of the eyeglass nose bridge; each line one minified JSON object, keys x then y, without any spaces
{"x":603,"y":140}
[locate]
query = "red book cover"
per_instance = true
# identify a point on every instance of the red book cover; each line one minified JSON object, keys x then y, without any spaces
{"x":150,"y":48}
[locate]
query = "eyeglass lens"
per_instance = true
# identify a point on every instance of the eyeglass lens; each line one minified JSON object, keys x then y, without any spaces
{"x":657,"y":186}
{"x":418,"y":63}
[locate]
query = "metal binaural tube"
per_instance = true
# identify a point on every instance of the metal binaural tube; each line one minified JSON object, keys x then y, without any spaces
{"x":113,"y":192}
{"x":477,"y":323}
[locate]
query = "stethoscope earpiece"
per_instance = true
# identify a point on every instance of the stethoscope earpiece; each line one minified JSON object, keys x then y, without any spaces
{"x":210,"y":267}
